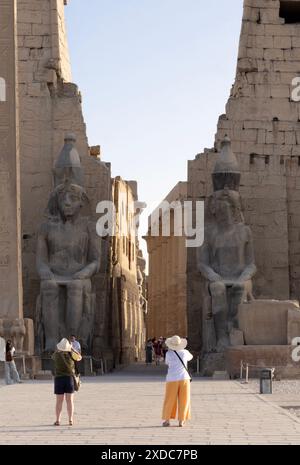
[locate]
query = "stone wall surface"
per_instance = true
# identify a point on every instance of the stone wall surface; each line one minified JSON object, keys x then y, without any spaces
{"x":50,"y":107}
{"x":10,"y":232}
{"x":262,"y":121}
{"x":127,"y":321}
{"x":167,"y":278}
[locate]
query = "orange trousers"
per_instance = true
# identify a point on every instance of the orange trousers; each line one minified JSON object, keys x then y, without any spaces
{"x":177,"y":395}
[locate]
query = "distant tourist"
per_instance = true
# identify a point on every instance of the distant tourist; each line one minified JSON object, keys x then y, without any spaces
{"x":164,"y":348}
{"x":64,"y":369}
{"x":149,"y":352}
{"x":157,"y":346}
{"x":178,"y":382}
{"x":75,"y":344}
{"x":77,"y":347}
{"x":11,"y":372}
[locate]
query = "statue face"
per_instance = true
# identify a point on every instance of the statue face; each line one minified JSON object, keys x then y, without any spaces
{"x":226,"y":203}
{"x":223,"y":212}
{"x":69,"y":202}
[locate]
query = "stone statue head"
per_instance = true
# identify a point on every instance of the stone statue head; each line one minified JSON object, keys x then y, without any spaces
{"x":67,"y":200}
{"x":226,"y":207}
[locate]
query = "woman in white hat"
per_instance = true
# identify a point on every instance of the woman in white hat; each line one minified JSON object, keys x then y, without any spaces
{"x":178,"y":382}
{"x":64,"y":370}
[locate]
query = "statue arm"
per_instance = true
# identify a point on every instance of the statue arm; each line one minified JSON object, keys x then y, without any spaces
{"x":42,"y":263}
{"x":93,"y":265}
{"x":250,"y":268}
{"x":203,"y":264}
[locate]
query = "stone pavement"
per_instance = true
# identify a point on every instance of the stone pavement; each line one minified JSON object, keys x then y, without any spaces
{"x":125,"y":408}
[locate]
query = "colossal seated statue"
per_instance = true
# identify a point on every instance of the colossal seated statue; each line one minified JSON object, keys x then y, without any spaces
{"x":226,"y":259}
{"x":67,"y":258}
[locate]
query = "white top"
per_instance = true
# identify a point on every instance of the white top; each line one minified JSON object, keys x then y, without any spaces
{"x":76,"y":346}
{"x":176,"y":371}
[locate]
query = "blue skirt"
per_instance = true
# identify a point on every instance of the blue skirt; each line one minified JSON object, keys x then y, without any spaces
{"x":63,"y":385}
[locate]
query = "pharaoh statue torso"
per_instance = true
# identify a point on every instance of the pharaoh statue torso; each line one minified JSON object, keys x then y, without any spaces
{"x":68,"y":245}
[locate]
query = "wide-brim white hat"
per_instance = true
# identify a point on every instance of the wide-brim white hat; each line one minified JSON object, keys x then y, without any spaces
{"x":176,"y":343}
{"x":64,"y":345}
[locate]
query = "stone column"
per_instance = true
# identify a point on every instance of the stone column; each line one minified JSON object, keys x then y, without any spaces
{"x":10,"y":230}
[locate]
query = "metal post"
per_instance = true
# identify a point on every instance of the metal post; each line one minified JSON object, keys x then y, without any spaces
{"x":241,"y":370}
{"x":247,"y":373}
{"x":24,"y":365}
{"x":91,"y":365}
{"x":198,"y":364}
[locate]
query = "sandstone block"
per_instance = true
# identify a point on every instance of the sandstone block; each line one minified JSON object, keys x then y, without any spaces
{"x":265,"y":322}
{"x":24,"y":29}
{"x":296,"y":42}
{"x":31,"y":17}
{"x":41,"y":30}
{"x":273,"y":54}
{"x":278,"y":30}
{"x":282,"y":42}
{"x":268,"y":356}
{"x":269,"y":16}
{"x":236,"y":337}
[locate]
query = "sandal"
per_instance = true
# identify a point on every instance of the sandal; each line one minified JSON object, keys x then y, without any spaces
{"x":166,"y":423}
{"x":56,"y":423}
{"x":70,"y":422}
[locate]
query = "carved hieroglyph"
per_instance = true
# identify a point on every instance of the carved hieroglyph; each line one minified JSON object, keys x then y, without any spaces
{"x":10,"y":239}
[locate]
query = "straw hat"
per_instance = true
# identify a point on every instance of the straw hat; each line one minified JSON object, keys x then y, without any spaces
{"x":176,"y":343}
{"x":64,"y":345}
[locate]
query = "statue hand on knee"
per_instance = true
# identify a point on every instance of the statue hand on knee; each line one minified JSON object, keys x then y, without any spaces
{"x":46,"y":275}
{"x":83,"y":274}
{"x":214,"y":277}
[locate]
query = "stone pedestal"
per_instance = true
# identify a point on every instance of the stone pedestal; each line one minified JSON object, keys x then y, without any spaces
{"x":269,"y":322}
{"x":268,"y":326}
{"x":262,"y":356}
{"x":211,"y":363}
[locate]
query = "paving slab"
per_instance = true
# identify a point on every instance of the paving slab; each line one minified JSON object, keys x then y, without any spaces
{"x":125,"y":408}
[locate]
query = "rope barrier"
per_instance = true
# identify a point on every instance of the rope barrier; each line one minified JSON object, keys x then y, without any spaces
{"x":248,"y":365}
{"x":103,"y":364}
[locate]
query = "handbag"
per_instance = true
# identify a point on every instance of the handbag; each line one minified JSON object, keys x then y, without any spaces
{"x":77,"y":381}
{"x":191,"y":379}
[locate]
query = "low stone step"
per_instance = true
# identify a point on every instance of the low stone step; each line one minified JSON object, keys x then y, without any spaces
{"x":44,"y":374}
{"x":220,"y":375}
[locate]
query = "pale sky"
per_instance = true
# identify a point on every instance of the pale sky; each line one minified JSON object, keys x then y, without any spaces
{"x":154,"y":75}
